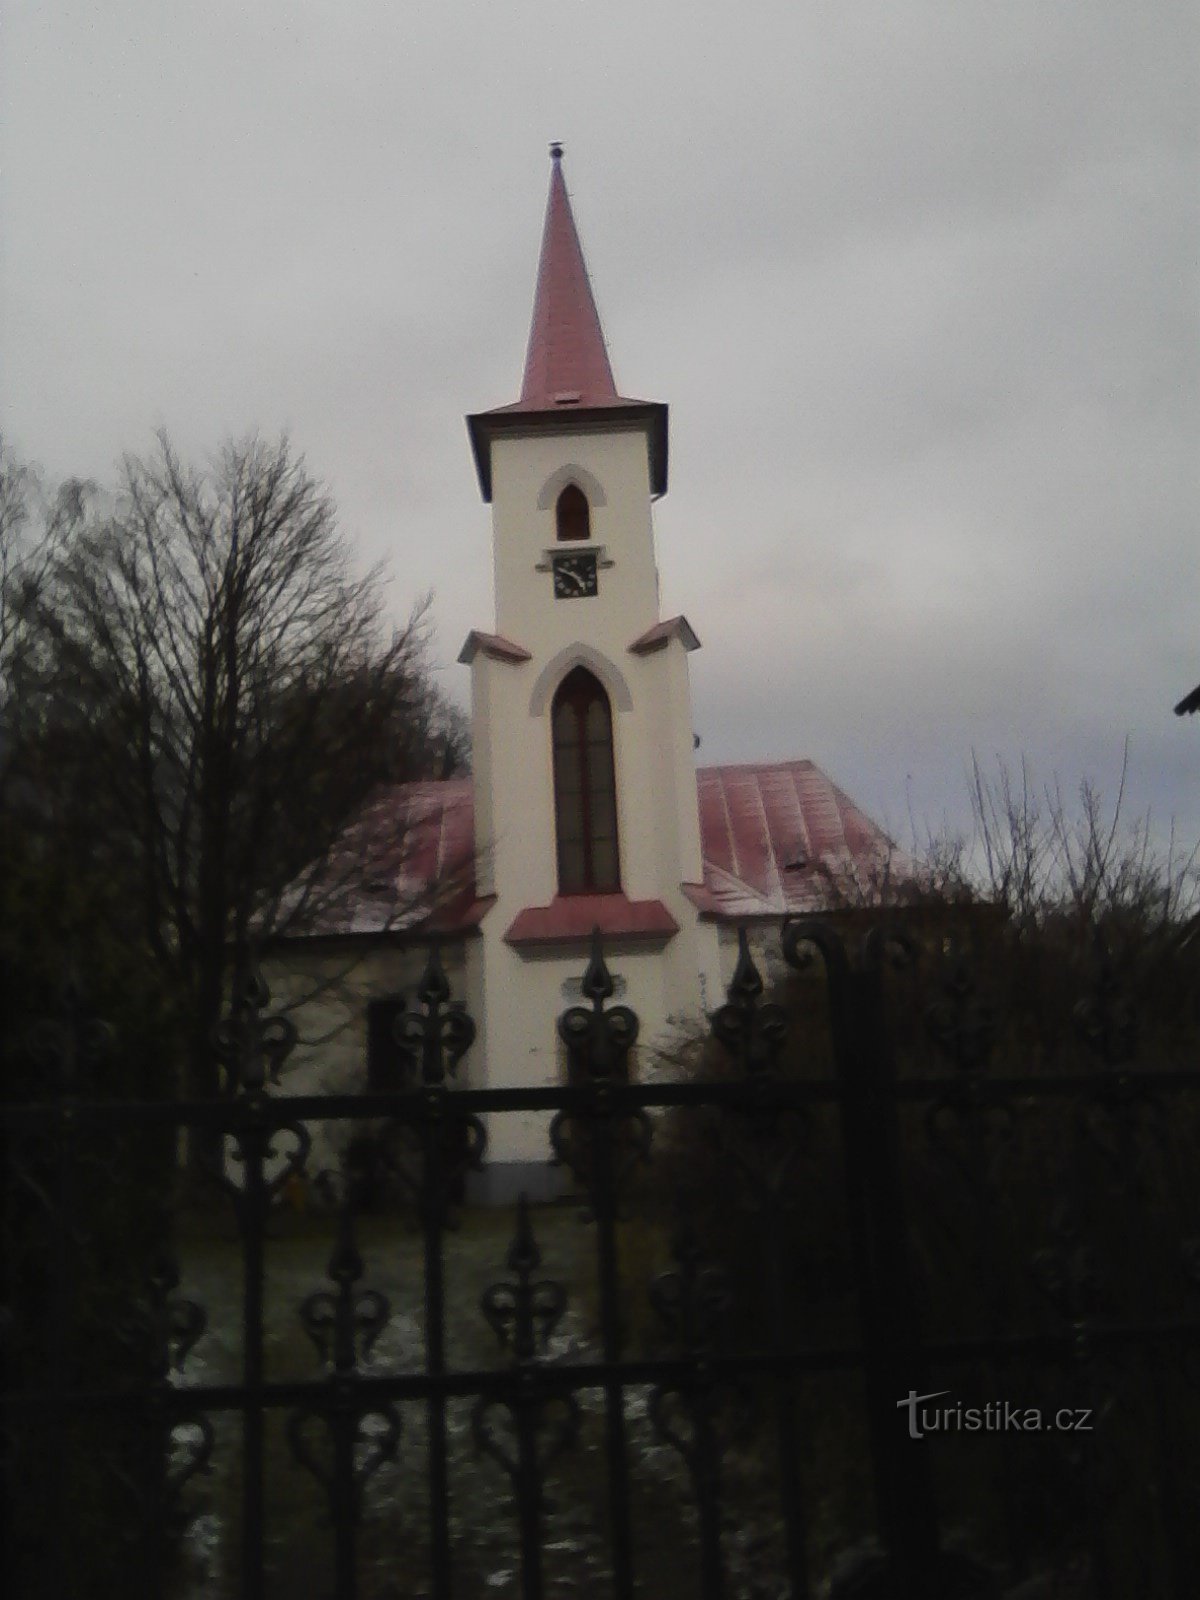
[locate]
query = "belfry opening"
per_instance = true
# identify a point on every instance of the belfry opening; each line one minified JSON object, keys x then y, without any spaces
{"x":572,"y":514}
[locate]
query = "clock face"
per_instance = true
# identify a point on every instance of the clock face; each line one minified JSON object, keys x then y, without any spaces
{"x":575,"y":576}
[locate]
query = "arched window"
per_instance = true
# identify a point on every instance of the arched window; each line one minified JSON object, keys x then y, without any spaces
{"x":572,"y":516}
{"x":585,"y":795}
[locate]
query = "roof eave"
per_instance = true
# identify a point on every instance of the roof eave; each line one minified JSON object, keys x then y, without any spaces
{"x":484,"y":426}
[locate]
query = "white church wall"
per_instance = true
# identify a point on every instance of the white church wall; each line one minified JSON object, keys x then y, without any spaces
{"x":324,"y":988}
{"x":515,"y":816}
{"x":652,"y":734}
{"x":523,"y":997}
{"x":522,"y":464}
{"x":679,"y":742}
{"x":522,"y":992}
{"x":514,"y":726}
{"x":483,"y":686}
{"x":516,"y":1000}
{"x":665,"y":810}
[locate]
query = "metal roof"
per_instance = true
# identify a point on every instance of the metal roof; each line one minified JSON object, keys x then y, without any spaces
{"x":568,"y":379}
{"x":566,"y":362}
{"x":784,"y":838}
{"x":775,"y":838}
{"x":660,"y":635}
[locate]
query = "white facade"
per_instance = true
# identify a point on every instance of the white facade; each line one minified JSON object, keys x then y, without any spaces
{"x":324,"y":987}
{"x":517,"y":993}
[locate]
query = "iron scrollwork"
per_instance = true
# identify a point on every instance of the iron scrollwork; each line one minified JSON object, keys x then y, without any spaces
{"x":692,"y":1302}
{"x":442,"y":1033}
{"x":435,"y":1143}
{"x":523,"y":1314}
{"x":177,"y":1325}
{"x":599,"y":1144}
{"x":368,"y":1438}
{"x":177,"y":1439}
{"x":598,"y":1037}
{"x":763,"y":1139}
{"x":252,"y":1047}
{"x":1068,"y":1274}
{"x":752,"y":1030}
{"x":961,"y":1022}
{"x":344,"y":1324}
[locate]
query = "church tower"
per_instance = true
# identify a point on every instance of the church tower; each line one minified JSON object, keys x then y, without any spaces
{"x":584,"y":780}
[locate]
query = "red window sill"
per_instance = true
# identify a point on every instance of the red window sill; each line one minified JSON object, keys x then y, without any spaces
{"x":574,"y":916}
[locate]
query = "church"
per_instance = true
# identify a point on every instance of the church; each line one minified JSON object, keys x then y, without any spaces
{"x":584,"y":807}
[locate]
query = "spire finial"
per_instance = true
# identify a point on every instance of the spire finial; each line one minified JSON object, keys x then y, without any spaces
{"x":555,"y":150}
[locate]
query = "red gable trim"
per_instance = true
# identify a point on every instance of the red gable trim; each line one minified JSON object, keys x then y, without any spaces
{"x":661,"y":634}
{"x":573,"y":917}
{"x":492,"y":644}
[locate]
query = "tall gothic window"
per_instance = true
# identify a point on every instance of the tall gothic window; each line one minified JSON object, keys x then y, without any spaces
{"x":585,"y":796}
{"x":572,"y":516}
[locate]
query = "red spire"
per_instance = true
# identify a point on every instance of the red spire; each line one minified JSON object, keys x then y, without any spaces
{"x":566,"y":363}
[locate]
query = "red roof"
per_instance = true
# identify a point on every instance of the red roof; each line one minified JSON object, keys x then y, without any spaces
{"x":492,"y":644}
{"x":661,"y":634}
{"x":775,"y":839}
{"x":784,"y":838}
{"x":409,"y":861}
{"x":566,"y":362}
{"x":567,"y":370}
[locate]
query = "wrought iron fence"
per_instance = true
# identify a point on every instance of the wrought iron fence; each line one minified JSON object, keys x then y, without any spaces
{"x":704,"y":1388}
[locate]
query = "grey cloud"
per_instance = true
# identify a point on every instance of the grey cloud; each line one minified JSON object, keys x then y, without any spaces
{"x":918,"y":281}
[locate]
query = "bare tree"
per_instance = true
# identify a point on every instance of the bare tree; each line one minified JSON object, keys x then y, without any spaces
{"x":1037,"y":854}
{"x":217,"y":697}
{"x":34,"y":529}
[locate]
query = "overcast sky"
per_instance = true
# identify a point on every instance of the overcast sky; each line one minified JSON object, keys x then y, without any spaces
{"x":918,"y":279}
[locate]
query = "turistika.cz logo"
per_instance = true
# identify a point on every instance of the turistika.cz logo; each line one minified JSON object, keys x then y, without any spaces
{"x":998,"y":1416}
